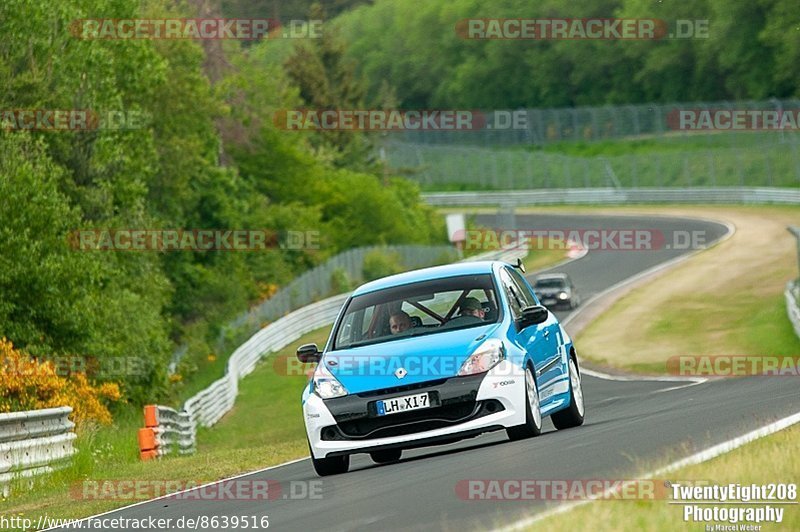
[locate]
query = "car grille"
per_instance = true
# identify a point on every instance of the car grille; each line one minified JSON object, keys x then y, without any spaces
{"x":411,"y":422}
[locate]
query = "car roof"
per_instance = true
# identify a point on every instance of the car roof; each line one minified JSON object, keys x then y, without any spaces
{"x":426,"y":274}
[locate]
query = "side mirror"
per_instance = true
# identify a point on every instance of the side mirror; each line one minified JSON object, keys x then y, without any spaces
{"x":308,"y":353}
{"x":532,"y":315}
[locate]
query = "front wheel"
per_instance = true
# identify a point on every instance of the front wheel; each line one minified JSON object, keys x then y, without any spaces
{"x":330,"y":466}
{"x":573,"y":415}
{"x":533,"y":413}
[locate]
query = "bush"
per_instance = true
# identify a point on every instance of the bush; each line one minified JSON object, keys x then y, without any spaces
{"x":340,"y":281}
{"x":379,"y":264}
{"x":30,"y":385}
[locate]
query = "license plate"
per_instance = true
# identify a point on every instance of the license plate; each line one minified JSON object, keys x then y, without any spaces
{"x":548,"y":301}
{"x":403,"y":404}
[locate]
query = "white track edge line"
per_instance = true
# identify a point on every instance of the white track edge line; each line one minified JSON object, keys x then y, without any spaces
{"x":72,"y":522}
{"x":697,"y":458}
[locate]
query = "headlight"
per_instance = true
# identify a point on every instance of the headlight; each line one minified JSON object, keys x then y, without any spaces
{"x":563,"y":295}
{"x":325,"y":384}
{"x":486,"y":356}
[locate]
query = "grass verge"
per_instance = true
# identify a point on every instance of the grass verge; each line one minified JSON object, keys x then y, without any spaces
{"x":265,"y":428}
{"x":764,"y":461}
{"x":727,"y":300}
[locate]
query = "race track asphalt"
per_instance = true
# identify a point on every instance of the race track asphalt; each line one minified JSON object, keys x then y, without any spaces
{"x":630,"y":426}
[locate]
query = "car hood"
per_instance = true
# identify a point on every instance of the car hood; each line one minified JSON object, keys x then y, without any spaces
{"x":422,"y":358}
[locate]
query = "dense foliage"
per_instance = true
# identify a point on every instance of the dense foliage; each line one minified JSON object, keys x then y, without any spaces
{"x":750,"y":53}
{"x":208,"y":156}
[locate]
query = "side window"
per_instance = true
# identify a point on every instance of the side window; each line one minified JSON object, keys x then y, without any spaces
{"x":515,"y":298}
{"x":522,"y":286}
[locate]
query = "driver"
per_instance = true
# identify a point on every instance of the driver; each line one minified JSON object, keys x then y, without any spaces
{"x":399,"y":322}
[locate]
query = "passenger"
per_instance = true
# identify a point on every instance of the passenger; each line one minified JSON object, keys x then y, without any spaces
{"x":472,"y":307}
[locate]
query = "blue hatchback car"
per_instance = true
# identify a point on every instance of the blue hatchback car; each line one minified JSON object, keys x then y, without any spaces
{"x":433,"y":356}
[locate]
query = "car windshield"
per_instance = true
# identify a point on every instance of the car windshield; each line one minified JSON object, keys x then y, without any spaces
{"x":550,"y":283}
{"x":427,"y":307}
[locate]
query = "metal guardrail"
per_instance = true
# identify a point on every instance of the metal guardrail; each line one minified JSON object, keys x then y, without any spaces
{"x":209,"y":405}
{"x":166,"y":431}
{"x":34,"y":442}
{"x":792,"y":291}
{"x":615,"y":196}
{"x":792,"y":294}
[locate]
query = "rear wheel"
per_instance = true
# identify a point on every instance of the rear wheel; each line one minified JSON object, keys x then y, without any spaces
{"x":386,"y":457}
{"x":572,"y":416}
{"x":533,"y":414}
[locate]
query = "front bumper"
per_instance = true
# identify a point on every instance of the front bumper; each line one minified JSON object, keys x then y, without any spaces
{"x":464,"y":407}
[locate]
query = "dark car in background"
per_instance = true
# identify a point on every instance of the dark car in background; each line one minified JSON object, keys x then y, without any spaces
{"x":556,"y":290}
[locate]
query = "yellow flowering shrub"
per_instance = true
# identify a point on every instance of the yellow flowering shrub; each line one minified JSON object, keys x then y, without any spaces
{"x":26,"y":384}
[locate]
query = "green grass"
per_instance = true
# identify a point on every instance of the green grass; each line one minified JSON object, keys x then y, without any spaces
{"x":264,"y":428}
{"x":661,"y":144}
{"x":764,"y":461}
{"x":738,"y":159}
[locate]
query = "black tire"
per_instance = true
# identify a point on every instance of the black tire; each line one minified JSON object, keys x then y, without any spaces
{"x":386,"y":457}
{"x":331,"y":466}
{"x":533,"y":420}
{"x":573,"y":415}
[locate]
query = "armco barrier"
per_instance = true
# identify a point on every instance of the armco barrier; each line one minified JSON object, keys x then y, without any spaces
{"x":166,"y":431}
{"x":792,"y":295}
{"x":787,"y":196}
{"x":792,"y":291}
{"x":34,"y":442}
{"x":209,"y":405}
